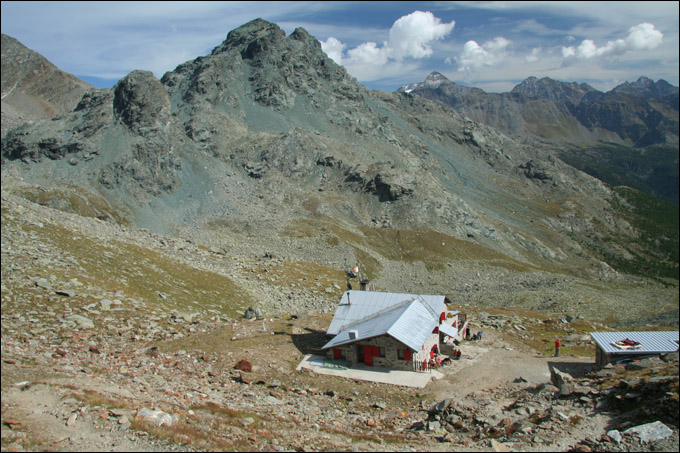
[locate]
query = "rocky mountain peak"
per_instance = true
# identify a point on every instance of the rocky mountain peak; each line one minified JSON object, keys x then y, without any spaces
{"x":436,"y":82}
{"x":435,"y":79}
{"x":259,"y":60}
{"x":140,"y":100}
{"x":646,"y":87}
{"x":33,"y":88}
{"x":547,"y":88}
{"x":252,"y":39}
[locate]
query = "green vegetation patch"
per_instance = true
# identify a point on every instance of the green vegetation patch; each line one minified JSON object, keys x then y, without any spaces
{"x":76,"y":200}
{"x":303,"y":274}
{"x":655,"y":251}
{"x":141,"y":273}
{"x":653,"y":170}
{"x":433,"y":248}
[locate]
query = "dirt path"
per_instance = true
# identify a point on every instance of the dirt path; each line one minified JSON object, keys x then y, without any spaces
{"x":491,"y":362}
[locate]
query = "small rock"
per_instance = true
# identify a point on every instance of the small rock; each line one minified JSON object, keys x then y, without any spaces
{"x":247,"y":421}
{"x":157,"y":417}
{"x":82,"y":321}
{"x":23,"y":385}
{"x":650,"y":431}
{"x":72,"y":419}
{"x":639,"y":365}
{"x":614,"y":435}
{"x":244,"y":365}
{"x":43,"y":283}
{"x":497,"y":446}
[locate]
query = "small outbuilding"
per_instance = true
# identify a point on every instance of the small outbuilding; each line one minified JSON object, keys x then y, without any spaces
{"x":395,"y":330}
{"x":621,"y":347}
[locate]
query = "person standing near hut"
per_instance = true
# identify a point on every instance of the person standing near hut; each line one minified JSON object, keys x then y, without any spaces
{"x":557,"y":347}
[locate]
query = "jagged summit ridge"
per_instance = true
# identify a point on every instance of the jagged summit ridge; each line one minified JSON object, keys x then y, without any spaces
{"x":277,"y":68}
{"x":547,"y":88}
{"x":646,"y":87}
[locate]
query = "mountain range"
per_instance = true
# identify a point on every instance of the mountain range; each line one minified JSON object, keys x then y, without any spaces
{"x":267,"y":143}
{"x":637,"y":114}
{"x":626,"y":136}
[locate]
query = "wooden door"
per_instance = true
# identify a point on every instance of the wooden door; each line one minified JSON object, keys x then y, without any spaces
{"x":368,"y":355}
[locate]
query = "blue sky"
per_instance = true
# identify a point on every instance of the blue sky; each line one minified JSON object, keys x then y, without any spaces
{"x":490,"y":45}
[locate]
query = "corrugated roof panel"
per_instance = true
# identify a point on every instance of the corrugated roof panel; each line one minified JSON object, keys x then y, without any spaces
{"x":367,"y":329}
{"x":356,"y":306}
{"x":410,"y":323}
{"x":414,"y":326}
{"x":652,"y":342}
{"x":448,"y":329}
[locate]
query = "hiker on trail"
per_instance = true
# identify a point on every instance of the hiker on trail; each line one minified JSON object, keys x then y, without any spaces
{"x":557,"y":347}
{"x":467,"y":333}
{"x":479,"y":335}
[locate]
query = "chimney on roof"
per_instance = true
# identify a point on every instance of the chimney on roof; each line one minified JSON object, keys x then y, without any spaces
{"x":364,"y":284}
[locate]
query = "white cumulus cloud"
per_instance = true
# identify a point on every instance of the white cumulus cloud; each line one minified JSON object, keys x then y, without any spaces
{"x":640,"y":37}
{"x":334,"y":49}
{"x":491,"y":53}
{"x":410,"y":37}
{"x":644,"y":37}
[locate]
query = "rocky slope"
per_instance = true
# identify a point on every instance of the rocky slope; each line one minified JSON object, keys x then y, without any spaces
{"x":33,"y":88}
{"x":118,"y":339}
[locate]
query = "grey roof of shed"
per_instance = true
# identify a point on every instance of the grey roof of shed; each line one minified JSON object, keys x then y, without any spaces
{"x":448,"y":329}
{"x":652,"y":342}
{"x":358,"y":306}
{"x":409,"y":318}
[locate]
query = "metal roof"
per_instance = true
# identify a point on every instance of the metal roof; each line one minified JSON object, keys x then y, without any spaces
{"x":652,"y":342}
{"x":410,"y":319}
{"x":358,"y":306}
{"x":448,"y":329}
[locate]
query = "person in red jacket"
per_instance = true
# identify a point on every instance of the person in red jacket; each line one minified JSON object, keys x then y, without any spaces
{"x":557,"y":347}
